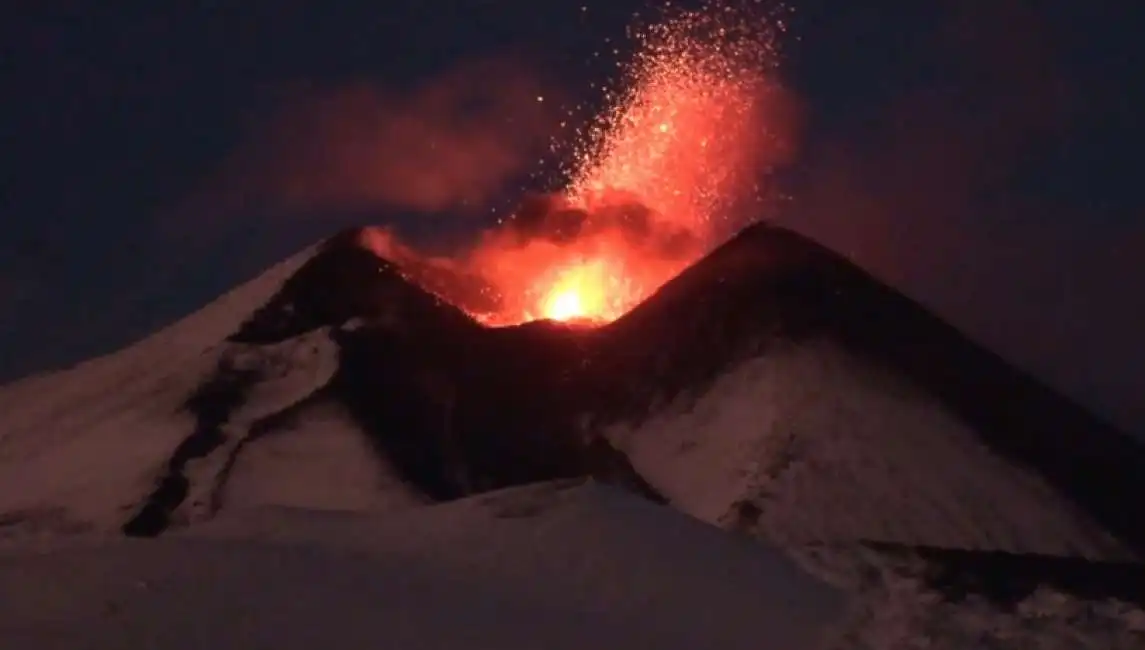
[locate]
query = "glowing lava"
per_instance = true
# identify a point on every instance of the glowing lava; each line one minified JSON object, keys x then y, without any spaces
{"x":684,"y":134}
{"x":564,"y":304}
{"x":654,"y":184}
{"x":684,"y":141}
{"x":588,"y":291}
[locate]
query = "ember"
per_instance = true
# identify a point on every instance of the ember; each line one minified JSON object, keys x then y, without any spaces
{"x":653,"y":183}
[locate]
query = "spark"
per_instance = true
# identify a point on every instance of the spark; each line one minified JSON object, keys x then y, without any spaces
{"x":656,"y":177}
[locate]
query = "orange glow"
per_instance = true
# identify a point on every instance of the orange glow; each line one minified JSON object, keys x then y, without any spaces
{"x":579,"y":292}
{"x":564,"y":304}
{"x":591,"y":291}
{"x":594,"y":279}
{"x":683,"y":141}
{"x":653,"y":181}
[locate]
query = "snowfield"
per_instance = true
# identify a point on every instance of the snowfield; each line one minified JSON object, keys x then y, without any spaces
{"x":550,"y":566}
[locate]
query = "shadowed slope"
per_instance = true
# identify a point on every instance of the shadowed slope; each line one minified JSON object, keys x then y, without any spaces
{"x":463,"y":408}
{"x":769,"y":285}
{"x":773,"y":388}
{"x":459,"y":408}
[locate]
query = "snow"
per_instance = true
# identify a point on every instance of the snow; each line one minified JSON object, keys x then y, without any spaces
{"x":805,"y":453}
{"x":80,"y":446}
{"x":831,"y":450}
{"x":287,"y":375}
{"x":894,"y":610}
{"x":319,"y":461}
{"x":547,"y":566}
{"x":833,"y":453}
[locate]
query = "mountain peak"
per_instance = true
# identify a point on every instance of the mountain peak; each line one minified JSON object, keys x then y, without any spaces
{"x":773,"y":387}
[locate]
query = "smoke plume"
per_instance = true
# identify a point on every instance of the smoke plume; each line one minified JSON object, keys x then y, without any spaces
{"x":448,"y":144}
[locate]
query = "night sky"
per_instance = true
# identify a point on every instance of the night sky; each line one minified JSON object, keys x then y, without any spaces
{"x":981,"y":155}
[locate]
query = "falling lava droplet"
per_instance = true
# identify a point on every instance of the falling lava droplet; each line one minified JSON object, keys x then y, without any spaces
{"x":657,"y":177}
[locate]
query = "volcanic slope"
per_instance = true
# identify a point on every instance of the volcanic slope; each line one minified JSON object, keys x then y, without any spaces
{"x":777,"y":375}
{"x":352,"y":381}
{"x":773,"y":388}
{"x":773,"y":378}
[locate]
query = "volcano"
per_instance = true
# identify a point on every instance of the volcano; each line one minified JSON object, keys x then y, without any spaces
{"x":773,"y":390}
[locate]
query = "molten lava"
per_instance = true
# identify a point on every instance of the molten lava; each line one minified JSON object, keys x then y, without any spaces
{"x":653,"y":183}
{"x":589,"y":291}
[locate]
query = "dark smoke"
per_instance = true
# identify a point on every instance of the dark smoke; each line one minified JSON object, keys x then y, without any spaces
{"x":552,"y":218}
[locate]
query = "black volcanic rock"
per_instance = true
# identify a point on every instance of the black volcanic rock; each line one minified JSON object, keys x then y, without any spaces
{"x":457,"y":407}
{"x":551,"y":218}
{"x":461,"y":408}
{"x":475,"y":411}
{"x":771,"y":283}
{"x":341,"y":282}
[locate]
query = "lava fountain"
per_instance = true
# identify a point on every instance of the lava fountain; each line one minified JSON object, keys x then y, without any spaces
{"x":668,"y":171}
{"x":655,"y":180}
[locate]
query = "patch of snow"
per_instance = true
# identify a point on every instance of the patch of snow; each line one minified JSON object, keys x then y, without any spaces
{"x":896,"y":611}
{"x":284,"y":374}
{"x":321,"y":461}
{"x":831,"y":450}
{"x":86,"y":443}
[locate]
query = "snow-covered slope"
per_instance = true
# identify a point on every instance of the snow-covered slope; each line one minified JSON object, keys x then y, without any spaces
{"x":550,"y":566}
{"x":772,"y":389}
{"x":317,"y":459}
{"x":810,"y":449}
{"x":825,"y":450}
{"x":791,"y":385}
{"x":78,"y":447}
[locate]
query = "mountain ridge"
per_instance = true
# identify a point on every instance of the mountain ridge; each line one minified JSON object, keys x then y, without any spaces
{"x":459,"y":408}
{"x":773,"y":390}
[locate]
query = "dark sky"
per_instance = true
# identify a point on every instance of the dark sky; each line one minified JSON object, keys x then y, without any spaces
{"x":982,"y":155}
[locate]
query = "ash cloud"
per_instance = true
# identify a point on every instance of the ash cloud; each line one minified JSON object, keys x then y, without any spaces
{"x":551,"y":218}
{"x":449,"y":144}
